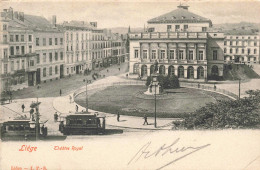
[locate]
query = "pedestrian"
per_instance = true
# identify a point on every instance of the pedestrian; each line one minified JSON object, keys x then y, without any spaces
{"x":98,"y":122}
{"x":145,"y":119}
{"x":23,"y":107}
{"x":119,"y":68}
{"x":215,"y":87}
{"x":77,"y":108}
{"x":70,"y":98}
{"x":198,"y":85}
{"x":118,"y":116}
{"x":107,"y":70}
{"x":60,"y":92}
{"x":55,"y":117}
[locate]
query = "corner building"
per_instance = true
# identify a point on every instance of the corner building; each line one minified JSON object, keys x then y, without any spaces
{"x":181,"y":44}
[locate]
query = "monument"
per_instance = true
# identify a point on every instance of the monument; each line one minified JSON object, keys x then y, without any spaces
{"x":154,"y":87}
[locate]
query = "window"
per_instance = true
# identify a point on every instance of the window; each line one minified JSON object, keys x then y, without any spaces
{"x":50,"y":71}
{"x":191,"y":55}
{"x":231,"y":43}
{"x":22,"y":38}
{"x":144,"y":54}
{"x":236,"y":50}
{"x":215,"y":54}
{"x":162,"y":54}
{"x":243,"y":51}
{"x":153,"y":54}
{"x":171,"y":54}
{"x":23,"y":64}
{"x":200,"y":55}
{"x":61,"y":41}
{"x":56,"y":41}
{"x":225,"y":42}
{"x":44,"y":41}
{"x":56,"y":69}
{"x":225,"y":50}
{"x":61,"y":55}
{"x":169,"y":27}
{"x":177,"y":27}
{"x":44,"y":57}
{"x":31,"y":62}
{"x":4,"y":27}
{"x":56,"y":56}
{"x":181,"y":54}
{"x":37,"y":42}
{"x":18,"y":65}
{"x":68,"y":59}
{"x":248,"y":51}
{"x":255,"y":43}
{"x":30,"y":49}
{"x":186,"y":27}
{"x":11,"y":50}
{"x":231,"y":51}
{"x":5,"y":68}
{"x":5,"y":53}
{"x":38,"y":59}
{"x":50,"y":57}
{"x":71,"y":36}
{"x":11,"y":38}
{"x":17,"y":50}
{"x":4,"y":38}
{"x":82,"y":46}
{"x":136,"y":53}
{"x":236,"y":42}
{"x":30,"y":38}
{"x":44,"y":72}
{"x":204,"y":29}
{"x":50,"y":41}
{"x":255,"y":51}
{"x":12,"y":65}
{"x":17,"y":38}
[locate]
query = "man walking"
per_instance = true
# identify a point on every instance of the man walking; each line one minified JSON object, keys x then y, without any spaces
{"x":145,"y":120}
{"x":77,"y":108}
{"x":118,"y":116}
{"x":23,"y":107}
{"x":60,"y":92}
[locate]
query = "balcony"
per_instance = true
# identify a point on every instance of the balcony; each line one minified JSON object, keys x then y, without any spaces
{"x":170,"y":35}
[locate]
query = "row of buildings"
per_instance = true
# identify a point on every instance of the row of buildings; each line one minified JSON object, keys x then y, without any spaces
{"x":185,"y":45}
{"x":34,"y":50}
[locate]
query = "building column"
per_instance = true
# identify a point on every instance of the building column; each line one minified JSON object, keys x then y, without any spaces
{"x":166,"y":69}
{"x":205,"y":73}
{"x":176,"y":70}
{"x":195,"y":72}
{"x":185,"y":72}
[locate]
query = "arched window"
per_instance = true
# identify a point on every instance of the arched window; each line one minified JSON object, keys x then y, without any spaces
{"x":162,"y":70}
{"x":144,"y":70}
{"x":190,"y":72}
{"x":171,"y":71}
{"x":181,"y":72}
{"x":200,"y":73}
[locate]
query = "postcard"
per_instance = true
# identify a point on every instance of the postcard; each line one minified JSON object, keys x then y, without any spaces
{"x":130,"y":85}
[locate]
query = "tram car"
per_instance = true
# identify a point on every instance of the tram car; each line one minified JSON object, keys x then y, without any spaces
{"x":82,"y":124}
{"x":21,"y":130}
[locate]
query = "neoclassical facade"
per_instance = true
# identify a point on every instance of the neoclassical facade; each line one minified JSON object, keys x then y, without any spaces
{"x":183,"y":49}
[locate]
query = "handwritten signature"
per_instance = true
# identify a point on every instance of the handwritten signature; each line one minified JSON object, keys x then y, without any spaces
{"x":145,"y":153}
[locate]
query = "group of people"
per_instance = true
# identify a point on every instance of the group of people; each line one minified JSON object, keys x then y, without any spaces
{"x":145,"y":119}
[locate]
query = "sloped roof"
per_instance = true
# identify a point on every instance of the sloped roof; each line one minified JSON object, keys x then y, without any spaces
{"x":37,"y":21}
{"x":179,"y":15}
{"x":79,"y":24}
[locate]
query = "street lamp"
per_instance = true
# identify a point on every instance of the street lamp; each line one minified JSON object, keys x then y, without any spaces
{"x":155,"y":123}
{"x":86,"y":95}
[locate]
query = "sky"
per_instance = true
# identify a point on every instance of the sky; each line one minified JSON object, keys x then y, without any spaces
{"x":122,"y":13}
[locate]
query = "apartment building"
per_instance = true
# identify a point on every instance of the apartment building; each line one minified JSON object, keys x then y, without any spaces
{"x":242,"y":48}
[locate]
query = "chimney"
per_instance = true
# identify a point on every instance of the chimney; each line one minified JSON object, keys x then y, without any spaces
{"x":21,"y":16}
{"x":54,"y":20}
{"x":16,"y":15}
{"x":11,"y":13}
{"x":94,"y":24}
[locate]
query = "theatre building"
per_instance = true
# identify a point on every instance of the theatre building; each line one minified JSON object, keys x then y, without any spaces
{"x":181,"y":43}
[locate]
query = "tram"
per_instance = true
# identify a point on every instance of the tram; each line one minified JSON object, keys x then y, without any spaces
{"x":82,"y":124}
{"x":21,"y":129}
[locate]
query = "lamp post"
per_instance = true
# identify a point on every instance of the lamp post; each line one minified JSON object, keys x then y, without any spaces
{"x":37,"y":124}
{"x":155,"y":123}
{"x":86,"y":95}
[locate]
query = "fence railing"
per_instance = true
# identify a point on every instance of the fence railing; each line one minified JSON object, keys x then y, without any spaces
{"x":209,"y":87}
{"x":102,"y":86}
